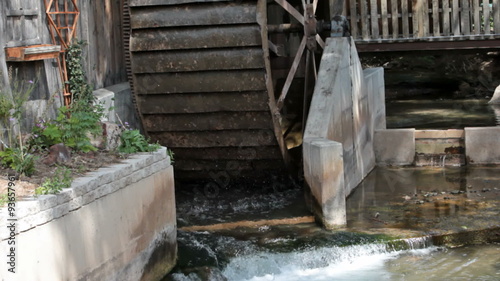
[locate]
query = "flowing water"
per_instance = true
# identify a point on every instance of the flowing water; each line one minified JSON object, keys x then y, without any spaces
{"x":222,"y":257}
{"x":391,"y":202}
{"x":441,"y":113}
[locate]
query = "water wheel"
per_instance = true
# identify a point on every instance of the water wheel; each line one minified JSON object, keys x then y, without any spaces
{"x":203,"y":83}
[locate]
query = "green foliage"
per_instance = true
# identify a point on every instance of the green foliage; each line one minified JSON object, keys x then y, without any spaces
{"x":78,"y":85}
{"x":4,"y":199}
{"x":133,"y":141}
{"x":24,"y":163}
{"x":5,"y":107}
{"x":72,"y":127}
{"x":62,"y":179}
{"x":74,"y":124}
{"x":18,"y":160}
{"x":6,"y":157}
{"x":171,"y":154}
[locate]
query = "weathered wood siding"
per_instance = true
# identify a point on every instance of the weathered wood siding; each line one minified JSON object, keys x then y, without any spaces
{"x":101,"y":27}
{"x":200,"y":80}
{"x":24,"y":22}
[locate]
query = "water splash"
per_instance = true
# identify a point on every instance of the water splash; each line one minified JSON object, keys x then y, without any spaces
{"x":327,"y":263}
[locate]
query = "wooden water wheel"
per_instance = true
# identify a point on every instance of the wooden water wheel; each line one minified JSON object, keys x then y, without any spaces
{"x":203,"y":82}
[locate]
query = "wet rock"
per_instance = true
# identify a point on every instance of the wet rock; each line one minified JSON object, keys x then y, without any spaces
{"x":419,"y":202}
{"x":455,"y":192}
{"x":58,"y":154}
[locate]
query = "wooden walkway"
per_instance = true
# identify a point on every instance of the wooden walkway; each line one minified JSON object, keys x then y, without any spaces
{"x":434,"y":24}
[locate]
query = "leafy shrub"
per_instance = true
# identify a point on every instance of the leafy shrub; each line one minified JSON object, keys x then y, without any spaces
{"x":62,"y":179}
{"x":74,"y":123}
{"x":133,"y":141}
{"x":18,"y":160}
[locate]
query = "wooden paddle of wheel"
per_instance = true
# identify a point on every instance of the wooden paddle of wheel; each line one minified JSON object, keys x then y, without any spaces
{"x":311,"y":40}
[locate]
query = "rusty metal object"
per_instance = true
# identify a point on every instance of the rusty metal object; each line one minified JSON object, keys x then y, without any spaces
{"x":310,"y":25}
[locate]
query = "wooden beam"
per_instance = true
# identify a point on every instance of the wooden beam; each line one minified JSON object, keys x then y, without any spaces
{"x":196,"y":38}
{"x":195,"y":15}
{"x":199,"y":60}
{"x":201,"y":82}
{"x":422,"y":46}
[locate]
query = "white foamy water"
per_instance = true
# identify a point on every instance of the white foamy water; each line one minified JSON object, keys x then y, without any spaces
{"x":371,"y":263}
{"x":360,"y":262}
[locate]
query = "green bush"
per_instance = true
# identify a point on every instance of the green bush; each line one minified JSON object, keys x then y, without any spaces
{"x":133,"y":141}
{"x":18,"y":160}
{"x":62,"y":179}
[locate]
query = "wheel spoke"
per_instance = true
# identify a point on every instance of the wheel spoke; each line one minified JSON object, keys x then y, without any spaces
{"x":290,"y":9}
{"x":320,"y":41}
{"x":291,"y":74}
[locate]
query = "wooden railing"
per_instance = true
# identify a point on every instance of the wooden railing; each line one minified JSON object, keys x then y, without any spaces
{"x":427,"y":20}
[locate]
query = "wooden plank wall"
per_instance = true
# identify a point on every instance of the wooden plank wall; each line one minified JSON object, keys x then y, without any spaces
{"x":99,"y":26}
{"x":431,"y":20}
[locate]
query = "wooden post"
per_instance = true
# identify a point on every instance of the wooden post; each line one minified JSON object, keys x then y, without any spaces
{"x":374,"y":19}
{"x":405,"y":18}
{"x":446,"y":18}
{"x":486,"y":17}
{"x":354,"y":19}
{"x":364,"y":19}
{"x":455,"y":21}
{"x":465,"y":17}
{"x":324,"y":171}
{"x":496,"y":17}
{"x":419,"y":18}
{"x":395,"y":18}
{"x":435,"y":18}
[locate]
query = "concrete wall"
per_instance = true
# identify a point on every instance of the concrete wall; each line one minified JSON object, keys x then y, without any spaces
{"x":117,"y":223}
{"x":344,"y":111}
{"x":395,"y":147}
{"x":117,"y":100}
{"x":482,"y":145}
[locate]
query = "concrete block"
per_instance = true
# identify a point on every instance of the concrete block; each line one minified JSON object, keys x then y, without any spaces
{"x":47,"y":201}
{"x":65,"y":196}
{"x":33,"y":206}
{"x":104,"y":190}
{"x":103,"y":175}
{"x":160,"y":154}
{"x":83,"y":185}
{"x":106,"y":99}
{"x":324,"y":172}
{"x":482,"y":145}
{"x":394,"y":147}
{"x":374,"y":78}
{"x":124,"y":106}
{"x":122,"y":170}
{"x":75,"y":203}
{"x":89,"y":197}
{"x":60,"y":210}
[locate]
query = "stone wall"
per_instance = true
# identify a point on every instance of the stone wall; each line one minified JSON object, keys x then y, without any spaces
{"x":348,"y":103}
{"x":117,"y":223}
